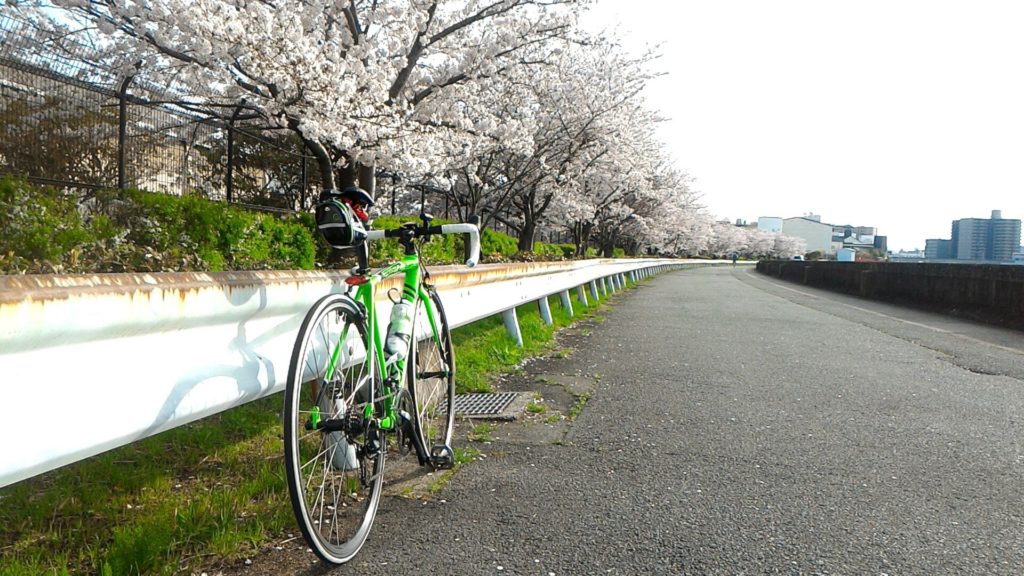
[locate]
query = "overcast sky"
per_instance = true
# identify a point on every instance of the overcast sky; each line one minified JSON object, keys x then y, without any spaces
{"x":901,"y":114}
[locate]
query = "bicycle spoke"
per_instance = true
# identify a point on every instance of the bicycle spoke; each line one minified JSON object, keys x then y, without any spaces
{"x":326,"y":376}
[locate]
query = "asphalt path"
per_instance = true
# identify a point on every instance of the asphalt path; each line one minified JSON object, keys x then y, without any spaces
{"x":741,"y":425}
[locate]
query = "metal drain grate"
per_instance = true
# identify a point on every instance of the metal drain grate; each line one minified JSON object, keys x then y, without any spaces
{"x":483,"y":404}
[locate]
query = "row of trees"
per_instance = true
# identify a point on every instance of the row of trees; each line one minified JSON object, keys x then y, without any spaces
{"x":505,"y":107}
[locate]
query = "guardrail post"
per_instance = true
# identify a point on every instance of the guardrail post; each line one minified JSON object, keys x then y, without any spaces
{"x":512,"y":326}
{"x":593,"y":290}
{"x":608,"y":285}
{"x":545,"y":310}
{"x":581,"y":293}
{"x":566,"y":302}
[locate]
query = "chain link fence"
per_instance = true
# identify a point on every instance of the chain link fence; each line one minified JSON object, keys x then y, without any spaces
{"x":68,"y":122}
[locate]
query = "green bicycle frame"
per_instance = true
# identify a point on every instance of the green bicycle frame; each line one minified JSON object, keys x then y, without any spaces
{"x":413,"y":292}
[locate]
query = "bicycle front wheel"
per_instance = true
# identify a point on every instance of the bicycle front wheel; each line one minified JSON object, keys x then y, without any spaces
{"x":432,"y":384}
{"x":332,"y":452}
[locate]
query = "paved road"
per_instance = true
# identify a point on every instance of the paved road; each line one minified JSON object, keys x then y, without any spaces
{"x":744,"y":426}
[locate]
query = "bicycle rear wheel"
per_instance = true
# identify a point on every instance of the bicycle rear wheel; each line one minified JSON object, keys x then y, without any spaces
{"x":432,"y":385}
{"x":333,"y":455}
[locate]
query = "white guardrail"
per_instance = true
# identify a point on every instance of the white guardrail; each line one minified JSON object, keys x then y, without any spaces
{"x":94,"y":362}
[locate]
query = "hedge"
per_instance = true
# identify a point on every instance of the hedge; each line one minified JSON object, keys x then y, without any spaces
{"x":48,"y":230}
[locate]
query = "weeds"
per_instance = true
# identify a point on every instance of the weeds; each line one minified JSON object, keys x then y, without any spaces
{"x":581,"y":401}
{"x":481,"y":433}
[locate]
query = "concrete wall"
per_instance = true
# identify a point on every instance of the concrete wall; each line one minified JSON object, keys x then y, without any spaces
{"x":990,"y":293}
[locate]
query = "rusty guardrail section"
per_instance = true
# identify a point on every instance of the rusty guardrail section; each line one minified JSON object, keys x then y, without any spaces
{"x":93,"y":362}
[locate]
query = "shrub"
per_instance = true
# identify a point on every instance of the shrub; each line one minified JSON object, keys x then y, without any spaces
{"x":43,"y":230}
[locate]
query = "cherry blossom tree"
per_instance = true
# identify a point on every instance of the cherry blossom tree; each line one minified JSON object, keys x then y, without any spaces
{"x":388,"y":82}
{"x":500,"y":105}
{"x":583,"y":93}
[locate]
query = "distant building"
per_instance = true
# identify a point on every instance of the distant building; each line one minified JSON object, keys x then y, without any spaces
{"x":1005,"y":237}
{"x":938,"y":249}
{"x":769,"y":224}
{"x":826,"y":239}
{"x":846,"y":255}
{"x":909,"y":255}
{"x":859,"y":238}
{"x":978,"y":239}
{"x":817,"y":235}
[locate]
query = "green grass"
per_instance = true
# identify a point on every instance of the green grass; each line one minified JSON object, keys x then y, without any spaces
{"x":215,"y":487}
{"x":484,"y":349}
{"x":210,"y":491}
{"x":481,"y":433}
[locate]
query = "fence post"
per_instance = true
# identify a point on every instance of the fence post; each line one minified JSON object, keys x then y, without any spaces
{"x":581,"y":293}
{"x":302,"y":193}
{"x":512,"y":326}
{"x":566,"y":302}
{"x":545,"y":310}
{"x":122,"y":133}
{"x":593,"y":290}
{"x":229,"y":177}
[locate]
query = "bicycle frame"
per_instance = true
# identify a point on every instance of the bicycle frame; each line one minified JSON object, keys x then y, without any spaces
{"x":413,"y":292}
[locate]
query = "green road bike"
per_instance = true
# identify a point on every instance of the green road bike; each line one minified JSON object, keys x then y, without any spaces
{"x":353,"y":400}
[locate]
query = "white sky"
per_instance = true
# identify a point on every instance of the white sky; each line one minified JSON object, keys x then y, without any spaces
{"x":901,"y":114}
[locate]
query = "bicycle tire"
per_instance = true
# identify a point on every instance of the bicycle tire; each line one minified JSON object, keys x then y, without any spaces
{"x":432,"y":386}
{"x":334,"y":478}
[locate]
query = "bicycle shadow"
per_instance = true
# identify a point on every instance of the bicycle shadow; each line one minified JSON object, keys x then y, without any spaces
{"x":255,"y":375}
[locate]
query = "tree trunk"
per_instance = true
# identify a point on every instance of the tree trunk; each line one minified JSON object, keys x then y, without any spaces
{"x":581,"y":237}
{"x":526,"y":235}
{"x":346,"y":175}
{"x":368,"y":179}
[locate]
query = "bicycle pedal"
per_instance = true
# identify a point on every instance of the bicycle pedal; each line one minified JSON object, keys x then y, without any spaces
{"x":442,"y":457}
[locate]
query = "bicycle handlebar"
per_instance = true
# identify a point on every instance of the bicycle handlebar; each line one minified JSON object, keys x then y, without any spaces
{"x":473,"y":246}
{"x":474,"y":240}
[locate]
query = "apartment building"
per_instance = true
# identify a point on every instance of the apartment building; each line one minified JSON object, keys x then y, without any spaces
{"x":994,"y":239}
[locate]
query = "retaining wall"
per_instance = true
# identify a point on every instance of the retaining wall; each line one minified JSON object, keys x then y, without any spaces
{"x":990,"y":293}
